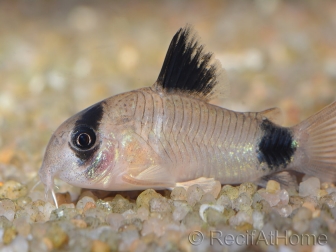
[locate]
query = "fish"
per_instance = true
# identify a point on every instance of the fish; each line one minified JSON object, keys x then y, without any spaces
{"x":170,"y":134}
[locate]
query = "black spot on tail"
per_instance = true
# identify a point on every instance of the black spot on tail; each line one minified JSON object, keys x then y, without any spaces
{"x":276,"y":147}
{"x":91,"y":116}
{"x":186,"y":67}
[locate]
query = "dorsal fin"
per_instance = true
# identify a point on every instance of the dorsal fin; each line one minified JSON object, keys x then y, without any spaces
{"x":190,"y":70}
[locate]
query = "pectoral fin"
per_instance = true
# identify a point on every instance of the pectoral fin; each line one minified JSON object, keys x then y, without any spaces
{"x":155,"y":177}
{"x":207,"y":184}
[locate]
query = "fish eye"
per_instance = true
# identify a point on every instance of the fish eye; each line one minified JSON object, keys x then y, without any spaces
{"x":83,"y":137}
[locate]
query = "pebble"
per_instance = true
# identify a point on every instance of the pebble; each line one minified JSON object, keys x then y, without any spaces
{"x":309,"y":187}
{"x":248,"y":188}
{"x":272,"y":198}
{"x":22,"y":227}
{"x":272,"y":186}
{"x":159,"y":205}
{"x":79,"y":223}
{"x":119,"y":204}
{"x":144,"y":197}
{"x":258,"y":220}
{"x":99,"y":246}
{"x":178,"y":193}
{"x":309,"y":205}
{"x":9,"y":235}
{"x":285,"y":210}
{"x":63,"y":198}
{"x":301,"y":219}
{"x":230,"y":191}
{"x":284,"y":197}
{"x":194,"y":194}
{"x":205,"y":207}
{"x":224,"y":200}
{"x":180,"y":210}
{"x":19,"y":244}
{"x":89,"y":205}
{"x":57,"y":236}
{"x":115,"y":220}
{"x":83,"y":201}
{"x":143,"y":213}
{"x":208,"y":198}
{"x":7,"y":209}
{"x":12,"y":190}
{"x":243,"y":202}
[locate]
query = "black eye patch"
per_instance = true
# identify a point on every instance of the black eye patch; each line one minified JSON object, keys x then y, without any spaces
{"x":83,"y":142}
{"x":83,"y":137}
{"x":91,"y":117}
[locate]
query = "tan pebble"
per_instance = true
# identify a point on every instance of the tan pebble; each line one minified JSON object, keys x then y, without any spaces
{"x":309,"y":205}
{"x":249,"y":188}
{"x":88,"y":206}
{"x":6,"y":155}
{"x":88,"y":193}
{"x":322,"y":193}
{"x":244,"y":227}
{"x":230,"y":191}
{"x":12,"y":190}
{"x":178,"y":193}
{"x":9,"y":235}
{"x":272,"y":186}
{"x":40,"y":217}
{"x":144,"y":197}
{"x":63,"y":198}
{"x":99,"y":246}
{"x":79,"y":223}
{"x":48,"y":243}
{"x":126,"y":228}
{"x":58,"y":237}
{"x":326,"y":185}
{"x":137,"y":245}
{"x":316,"y":213}
{"x":108,"y":198}
{"x":69,"y":205}
{"x":185,"y":245}
{"x":149,"y":238}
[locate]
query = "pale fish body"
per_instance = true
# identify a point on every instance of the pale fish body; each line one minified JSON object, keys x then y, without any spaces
{"x":169,"y":134}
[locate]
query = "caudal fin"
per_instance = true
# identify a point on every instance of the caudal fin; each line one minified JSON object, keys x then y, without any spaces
{"x":317,"y":143}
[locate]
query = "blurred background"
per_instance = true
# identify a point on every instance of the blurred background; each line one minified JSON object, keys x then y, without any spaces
{"x":58,"y":57}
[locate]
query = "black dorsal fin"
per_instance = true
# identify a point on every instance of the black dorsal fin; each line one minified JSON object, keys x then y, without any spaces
{"x":188,"y":69}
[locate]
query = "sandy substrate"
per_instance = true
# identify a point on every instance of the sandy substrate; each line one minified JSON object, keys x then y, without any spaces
{"x":57,"y":58}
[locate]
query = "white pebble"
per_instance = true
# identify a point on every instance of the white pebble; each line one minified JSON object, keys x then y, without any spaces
{"x":194,"y":194}
{"x":19,"y":244}
{"x":115,"y":220}
{"x":285,"y":211}
{"x":181,"y":209}
{"x":311,"y":187}
{"x":7,"y":209}
{"x":258,"y":220}
{"x":82,"y":202}
{"x":224,"y":200}
{"x":272,"y":198}
{"x":284,"y":197}
{"x":243,"y":202}
{"x":321,"y":248}
{"x":204,"y":207}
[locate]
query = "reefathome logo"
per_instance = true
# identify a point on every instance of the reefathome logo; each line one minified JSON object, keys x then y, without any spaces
{"x":255,"y":237}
